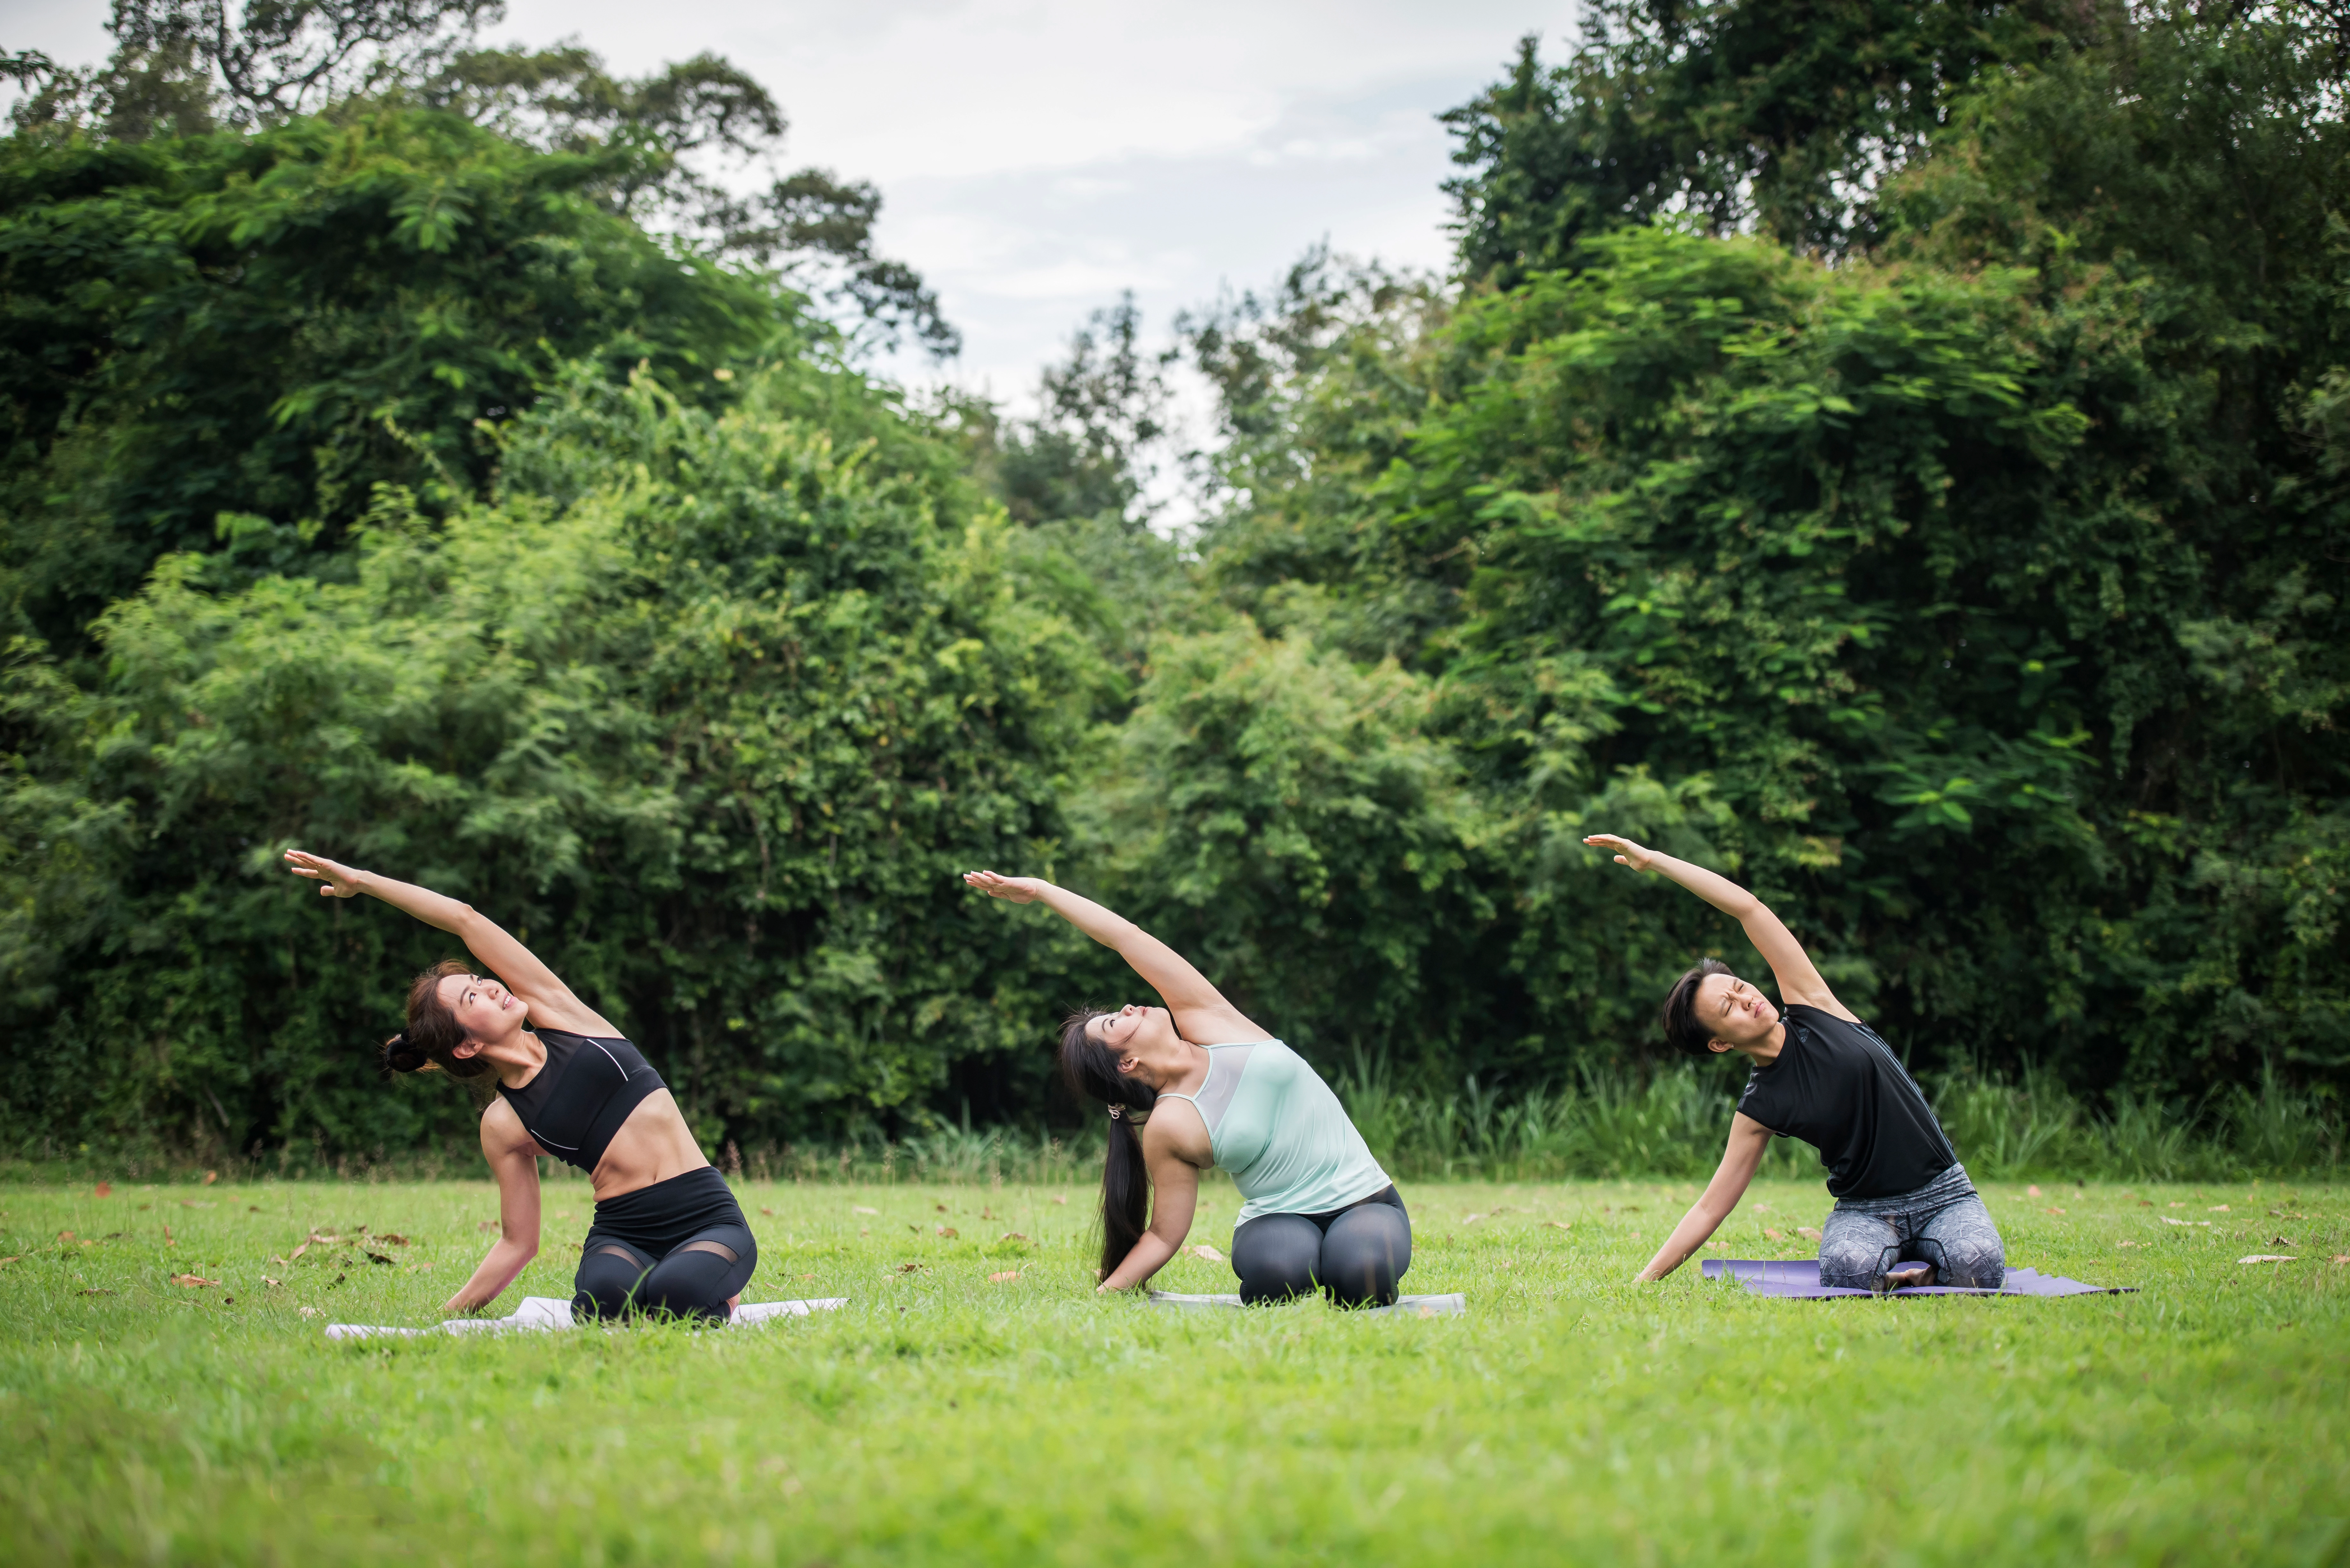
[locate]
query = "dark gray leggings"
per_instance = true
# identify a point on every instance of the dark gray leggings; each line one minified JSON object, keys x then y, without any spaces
{"x":1357,"y":1253}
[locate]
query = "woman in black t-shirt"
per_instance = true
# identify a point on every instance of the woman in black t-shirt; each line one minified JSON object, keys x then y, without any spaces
{"x":1906,"y":1213}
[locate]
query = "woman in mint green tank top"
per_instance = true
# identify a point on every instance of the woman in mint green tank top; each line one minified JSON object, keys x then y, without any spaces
{"x":1194,"y":1084}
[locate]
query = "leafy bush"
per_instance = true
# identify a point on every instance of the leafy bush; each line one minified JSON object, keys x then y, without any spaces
{"x":713,"y":737}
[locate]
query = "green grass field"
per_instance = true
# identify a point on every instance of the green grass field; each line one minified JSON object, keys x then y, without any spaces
{"x":946,"y":1415}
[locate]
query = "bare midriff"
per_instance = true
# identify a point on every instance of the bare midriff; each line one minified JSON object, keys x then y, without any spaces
{"x":654,"y":1145}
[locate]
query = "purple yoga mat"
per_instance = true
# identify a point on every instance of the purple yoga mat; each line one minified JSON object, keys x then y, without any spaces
{"x":1801,"y":1277}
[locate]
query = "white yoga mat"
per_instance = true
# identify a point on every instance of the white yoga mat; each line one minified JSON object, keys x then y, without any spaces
{"x":550,"y":1313}
{"x":1411,"y":1306}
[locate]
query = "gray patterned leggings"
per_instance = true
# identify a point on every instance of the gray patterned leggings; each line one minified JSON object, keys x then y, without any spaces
{"x":1943,"y":1223}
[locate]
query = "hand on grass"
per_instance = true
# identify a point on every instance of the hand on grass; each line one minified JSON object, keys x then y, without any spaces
{"x":1627,"y":852}
{"x":334,"y":881}
{"x":1016,"y":889}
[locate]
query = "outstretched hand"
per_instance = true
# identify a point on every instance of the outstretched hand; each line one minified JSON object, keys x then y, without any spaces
{"x":1017,"y":890}
{"x":334,"y":881}
{"x":1627,"y":852}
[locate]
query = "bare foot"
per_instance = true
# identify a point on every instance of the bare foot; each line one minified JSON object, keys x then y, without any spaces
{"x":1909,"y":1274}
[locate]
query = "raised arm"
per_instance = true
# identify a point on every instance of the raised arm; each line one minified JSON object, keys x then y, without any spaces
{"x":1799,"y":979}
{"x":551,"y":1002}
{"x":1201,"y":1012}
{"x":514,"y":1161}
{"x":1748,"y":1141}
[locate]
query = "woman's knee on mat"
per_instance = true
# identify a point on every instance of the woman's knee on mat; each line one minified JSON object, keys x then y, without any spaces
{"x":1966,"y":1254}
{"x":1856,"y":1250}
{"x":1364,"y":1254}
{"x":608,"y":1279}
{"x":700,"y":1276}
{"x":1277,"y":1256}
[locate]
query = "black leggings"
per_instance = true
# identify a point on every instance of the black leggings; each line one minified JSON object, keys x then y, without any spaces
{"x":1357,"y":1253}
{"x":679,"y":1247}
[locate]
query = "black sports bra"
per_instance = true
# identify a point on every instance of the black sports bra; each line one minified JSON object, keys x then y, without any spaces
{"x":582,"y":1094}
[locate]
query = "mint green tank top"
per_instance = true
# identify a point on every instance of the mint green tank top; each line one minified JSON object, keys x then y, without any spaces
{"x":1275,"y":1126}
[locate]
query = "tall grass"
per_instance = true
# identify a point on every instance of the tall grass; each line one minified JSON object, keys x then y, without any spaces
{"x":1672,"y":1123}
{"x":1603,"y":1124}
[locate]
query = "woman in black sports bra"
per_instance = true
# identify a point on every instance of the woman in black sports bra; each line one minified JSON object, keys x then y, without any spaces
{"x":669,"y":1236}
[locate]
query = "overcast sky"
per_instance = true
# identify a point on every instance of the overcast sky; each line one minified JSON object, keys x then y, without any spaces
{"x":1038,"y":156}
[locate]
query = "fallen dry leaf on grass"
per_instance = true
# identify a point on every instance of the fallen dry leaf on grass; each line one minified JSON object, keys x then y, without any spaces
{"x":377,"y":1258}
{"x":106,"y":1189}
{"x":1774,"y":1235}
{"x":2125,"y":1243}
{"x":860,"y":1209}
{"x":64,"y":1235}
{"x":1011,"y":1236}
{"x":1559,"y":1225}
{"x":1471,"y":1218}
{"x":768,"y":1212}
{"x":2053,"y":1210}
{"x":908,"y":1267}
{"x":485,"y":1225}
{"x":949,"y":1231}
{"x":273,"y":1284}
{"x":2282,"y":1241}
{"x":308,"y":1311}
{"x":1812,"y":1232}
{"x":2033,"y":1192}
{"x":211,"y":1177}
{"x":295,"y":1255}
{"x":2342,"y":1257}
{"x":167,"y":1236}
{"x":192,"y":1282}
{"x":1007,"y":1274}
{"x":1205,"y":1253}
{"x":12,"y":1258}
{"x":1058,"y":1199}
{"x":398,"y":1240}
{"x":2267,"y":1258}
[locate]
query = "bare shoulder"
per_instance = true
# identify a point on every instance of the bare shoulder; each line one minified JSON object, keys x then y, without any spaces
{"x":501,"y":1130}
{"x":1177,"y":1130}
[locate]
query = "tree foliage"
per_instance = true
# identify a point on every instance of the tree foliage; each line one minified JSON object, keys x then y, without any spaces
{"x":1977,"y":598}
{"x":1900,"y":456}
{"x":714,"y":734}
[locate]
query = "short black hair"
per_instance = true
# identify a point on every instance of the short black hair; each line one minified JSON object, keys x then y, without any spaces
{"x":1684,"y":1031}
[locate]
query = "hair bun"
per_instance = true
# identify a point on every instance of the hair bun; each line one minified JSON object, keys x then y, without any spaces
{"x":401,"y":1054}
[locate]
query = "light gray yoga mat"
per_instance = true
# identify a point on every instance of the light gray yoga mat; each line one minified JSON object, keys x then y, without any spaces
{"x":548,"y":1313}
{"x":1412,"y":1307}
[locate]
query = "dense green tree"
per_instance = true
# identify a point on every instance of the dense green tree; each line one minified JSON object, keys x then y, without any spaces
{"x":1981,"y":604}
{"x":1785,"y":117}
{"x":234,"y":336}
{"x":709,"y":708}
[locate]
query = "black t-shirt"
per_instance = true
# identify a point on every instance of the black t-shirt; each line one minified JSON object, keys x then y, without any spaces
{"x":1838,"y":1087}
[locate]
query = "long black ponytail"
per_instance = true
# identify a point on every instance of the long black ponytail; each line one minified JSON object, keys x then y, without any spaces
{"x":1091,"y":1069}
